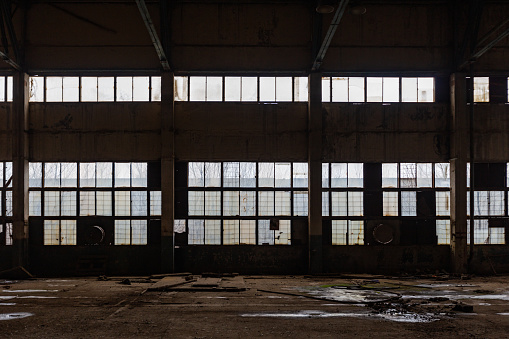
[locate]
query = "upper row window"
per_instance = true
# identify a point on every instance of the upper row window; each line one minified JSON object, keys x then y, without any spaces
{"x":378,"y":89}
{"x":94,"y":89}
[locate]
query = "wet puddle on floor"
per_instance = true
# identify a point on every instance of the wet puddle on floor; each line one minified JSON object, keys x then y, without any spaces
{"x":28,"y":291}
{"x":350,"y":296}
{"x":391,"y":315}
{"x":12,"y":316}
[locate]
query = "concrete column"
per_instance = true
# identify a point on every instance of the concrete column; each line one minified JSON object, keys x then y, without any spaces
{"x":167,"y":172}
{"x":315,"y":173}
{"x":20,"y":170}
{"x":459,"y":152}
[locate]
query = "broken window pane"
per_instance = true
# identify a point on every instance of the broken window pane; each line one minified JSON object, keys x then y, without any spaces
{"x":409,"y":204}
{"x":34,"y":174}
{"x":390,"y":175}
{"x":443,"y":203}
{"x":481,"y":89}
{"x":232,"y":88}
{"x":247,"y":203}
{"x":155,"y":88}
{"x":408,"y":175}
{"x":141,"y":89}
{"x":179,"y":225}
{"x":231,"y":203}
{"x":104,"y":174}
{"x":266,"y":174}
{"x":139,"y":174}
{"x":197,"y":88}
{"x":374,"y":93}
{"x":54,"y":89}
{"x":105,"y":89}
{"x":181,"y":89}
{"x":104,"y":203}
{"x":283,"y":88}
{"x":71,"y":89}
{"x":443,"y":229}
{"x":196,"y":201}
{"x":155,"y":203}
{"x":267,"y":89}
{"x":231,"y":232}
{"x":8,"y":174}
{"x":300,"y":89}
{"x":283,"y":235}
{"x":409,"y":89}
{"x":265,"y":234}
{"x":282,"y":203}
{"x":339,"y":232}
{"x":139,"y":203}
{"x":122,"y":203}
{"x":89,"y":89}
{"x":68,"y":203}
{"x":68,"y":232}
{"x":247,"y":174}
{"x":196,"y":233}
{"x":300,"y":174}
{"x":325,"y":204}
{"x":51,"y":203}
{"x":87,"y":203}
{"x":36,"y":89}
{"x":300,"y":203}
{"x":125,"y":89}
{"x":212,"y":232}
{"x":122,"y":232}
{"x":122,"y":174}
{"x":426,"y":89}
{"x":212,"y":174}
{"x":196,"y":175}
{"x":249,"y":89}
{"x":34,"y":204}
{"x":390,"y":204}
{"x":231,"y":174}
{"x":138,"y":232}
{"x":339,"y":89}
{"x":214,"y":89}
{"x":355,"y":175}
{"x":51,"y":232}
{"x":326,"y":87}
{"x":266,"y":203}
{"x":442,"y":176}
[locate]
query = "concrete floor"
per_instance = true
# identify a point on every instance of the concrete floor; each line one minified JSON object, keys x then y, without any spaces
{"x":271,"y":306}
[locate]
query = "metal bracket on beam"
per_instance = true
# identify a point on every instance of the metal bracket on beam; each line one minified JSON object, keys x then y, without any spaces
{"x":330,"y":34}
{"x":153,"y":34}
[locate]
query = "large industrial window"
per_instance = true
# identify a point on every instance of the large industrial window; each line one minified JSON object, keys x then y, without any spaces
{"x":481,"y":89}
{"x":234,"y":203}
{"x":95,"y":89}
{"x":5,"y":203}
{"x":62,"y":193}
{"x":241,"y":88}
{"x":378,"y":89}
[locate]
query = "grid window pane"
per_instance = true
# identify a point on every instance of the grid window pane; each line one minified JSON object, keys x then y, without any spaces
{"x":231,"y":174}
{"x":139,"y":203}
{"x":355,"y":232}
{"x":300,"y":203}
{"x":266,"y":174}
{"x":266,"y":203}
{"x":355,"y":175}
{"x":408,"y":175}
{"x":325,"y":175}
{"x":196,"y":202}
{"x":247,"y":203}
{"x":283,"y":235}
{"x":122,"y":174}
{"x":34,"y":203}
{"x":442,"y":175}
{"x":68,"y":174}
{"x":122,"y":232}
{"x":424,"y":175}
{"x":196,"y":232}
{"x":390,"y":204}
{"x":247,"y":174}
{"x":231,"y":203}
{"x":139,"y":174}
{"x":212,"y":232}
{"x":122,"y":203}
{"x":408,"y":204}
{"x":51,"y":174}
{"x":355,"y":203}
{"x":196,"y":174}
{"x":443,"y":228}
{"x":212,"y":203}
{"x":51,"y":203}
{"x":391,"y":89}
{"x":68,"y":203}
{"x":282,"y":203}
{"x":138,"y":232}
{"x":248,"y":232}
{"x":339,"y":175}
{"x":104,"y":174}
{"x":283,"y":174}
{"x":339,"y":232}
{"x":231,"y":232}
{"x":390,"y":175}
{"x":339,"y":203}
{"x":51,"y":232}
{"x":300,"y":174}
{"x":212,"y":174}
{"x":265,"y":234}
{"x":155,"y":203}
{"x":325,"y":204}
{"x":443,"y":203}
{"x":34,"y":174}
{"x":104,"y":203}
{"x":68,"y":232}
{"x":87,"y":174}
{"x":87,"y":203}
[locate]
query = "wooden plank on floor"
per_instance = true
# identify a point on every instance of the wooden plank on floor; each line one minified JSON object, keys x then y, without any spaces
{"x":233,"y":283}
{"x":168,"y":282}
{"x":207,"y":282}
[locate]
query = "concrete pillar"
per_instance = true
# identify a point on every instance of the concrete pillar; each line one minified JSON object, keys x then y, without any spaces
{"x":167,"y":173}
{"x":459,"y":152}
{"x":20,"y":170}
{"x":315,"y":173}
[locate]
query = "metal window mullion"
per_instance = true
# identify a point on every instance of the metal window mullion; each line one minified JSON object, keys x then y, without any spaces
{"x":150,"y":88}
{"x":115,"y":89}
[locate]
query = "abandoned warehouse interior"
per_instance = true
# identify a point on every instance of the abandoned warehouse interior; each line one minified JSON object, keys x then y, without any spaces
{"x":258,"y":137}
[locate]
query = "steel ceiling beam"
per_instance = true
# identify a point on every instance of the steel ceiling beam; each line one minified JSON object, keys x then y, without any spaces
{"x":10,"y":62}
{"x":153,"y":34}
{"x":330,"y":34}
{"x":7,"y":25}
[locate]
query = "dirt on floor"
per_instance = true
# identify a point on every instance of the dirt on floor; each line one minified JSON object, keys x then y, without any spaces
{"x":231,"y":306}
